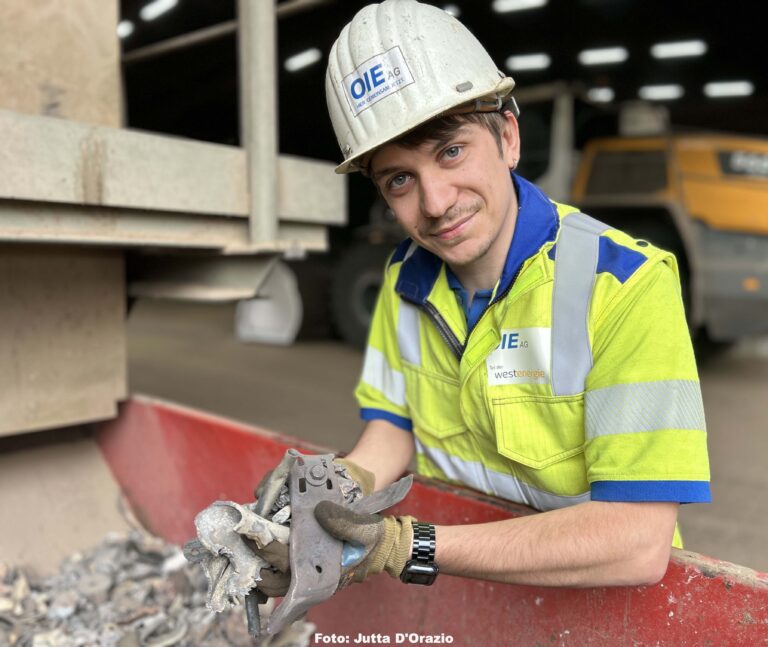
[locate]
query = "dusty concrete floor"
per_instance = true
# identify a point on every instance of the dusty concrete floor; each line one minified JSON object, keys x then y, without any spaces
{"x":188,"y":354}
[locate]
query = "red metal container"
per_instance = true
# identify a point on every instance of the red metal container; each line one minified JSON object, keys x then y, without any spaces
{"x":172,"y":461}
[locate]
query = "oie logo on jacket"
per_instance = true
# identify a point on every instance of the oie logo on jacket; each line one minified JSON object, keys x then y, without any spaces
{"x":522,"y":357}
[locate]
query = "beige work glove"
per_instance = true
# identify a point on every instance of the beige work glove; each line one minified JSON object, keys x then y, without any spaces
{"x":365,"y":479}
{"x":372,"y":543}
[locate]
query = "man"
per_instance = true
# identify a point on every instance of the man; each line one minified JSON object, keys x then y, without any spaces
{"x":517,"y":346}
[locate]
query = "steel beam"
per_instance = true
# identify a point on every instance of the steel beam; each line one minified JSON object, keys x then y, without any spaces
{"x":258,"y":112}
{"x":33,"y":222}
{"x":214,"y":32}
{"x":44,"y":159}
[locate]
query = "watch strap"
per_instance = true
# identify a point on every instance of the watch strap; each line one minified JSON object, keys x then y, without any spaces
{"x":421,"y":568}
{"x":424,"y":544}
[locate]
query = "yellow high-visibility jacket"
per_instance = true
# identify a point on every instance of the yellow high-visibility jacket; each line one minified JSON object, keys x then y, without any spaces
{"x":578,"y":382}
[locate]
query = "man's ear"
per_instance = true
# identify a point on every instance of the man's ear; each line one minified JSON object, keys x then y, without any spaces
{"x":510,"y":140}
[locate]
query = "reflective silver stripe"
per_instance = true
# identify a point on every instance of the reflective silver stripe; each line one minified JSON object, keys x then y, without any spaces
{"x":575,"y":266}
{"x":643,"y":406}
{"x":380,"y":375}
{"x":409,"y":252}
{"x":408,"y":333}
{"x":506,"y":486}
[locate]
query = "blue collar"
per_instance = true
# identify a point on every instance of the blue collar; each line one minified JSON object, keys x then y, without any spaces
{"x":537,"y":224}
{"x":472,"y":311}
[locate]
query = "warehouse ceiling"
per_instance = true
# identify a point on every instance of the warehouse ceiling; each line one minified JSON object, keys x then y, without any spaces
{"x":193,"y":91}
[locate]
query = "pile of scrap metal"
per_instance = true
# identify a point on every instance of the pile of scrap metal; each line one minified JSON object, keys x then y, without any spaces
{"x":130,"y":591}
{"x":231,"y":538}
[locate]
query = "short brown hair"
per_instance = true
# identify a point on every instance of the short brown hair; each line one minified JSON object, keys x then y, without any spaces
{"x":443,"y":128}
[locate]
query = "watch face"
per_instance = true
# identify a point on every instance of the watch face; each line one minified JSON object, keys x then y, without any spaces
{"x":418,"y":573}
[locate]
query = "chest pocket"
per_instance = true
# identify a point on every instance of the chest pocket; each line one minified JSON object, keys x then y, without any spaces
{"x":433,"y":401}
{"x":539,"y":431}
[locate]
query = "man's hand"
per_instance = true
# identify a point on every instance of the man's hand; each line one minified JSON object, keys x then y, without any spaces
{"x":372,"y":543}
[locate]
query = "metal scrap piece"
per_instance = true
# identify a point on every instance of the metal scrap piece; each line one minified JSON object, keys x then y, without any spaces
{"x":282,"y":515}
{"x":194,"y":551}
{"x":283,"y":499}
{"x":315,"y":555}
{"x":20,"y":592}
{"x":148,"y":625}
{"x":164,"y":608}
{"x":63,"y":605}
{"x":95,"y":587}
{"x":55,"y":638}
{"x":350,"y":488}
{"x":261,"y":530}
{"x":233,"y":568}
{"x":268,"y":496}
{"x":173,"y":563}
{"x":172,"y":637}
{"x":383,"y":499}
{"x":229,"y":534}
{"x":201,"y":621}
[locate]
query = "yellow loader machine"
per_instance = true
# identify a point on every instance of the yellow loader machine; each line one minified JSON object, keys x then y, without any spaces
{"x":702,"y":196}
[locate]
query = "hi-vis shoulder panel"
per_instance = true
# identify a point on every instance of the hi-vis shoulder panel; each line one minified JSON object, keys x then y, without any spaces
{"x":575,"y":266}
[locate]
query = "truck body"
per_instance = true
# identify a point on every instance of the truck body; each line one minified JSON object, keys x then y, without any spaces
{"x":93,"y":215}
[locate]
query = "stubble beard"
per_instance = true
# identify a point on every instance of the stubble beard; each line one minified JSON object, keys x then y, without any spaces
{"x":480,"y":246}
{"x":449,"y":219}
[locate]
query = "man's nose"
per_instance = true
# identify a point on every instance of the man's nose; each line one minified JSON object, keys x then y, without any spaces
{"x":436,"y":195}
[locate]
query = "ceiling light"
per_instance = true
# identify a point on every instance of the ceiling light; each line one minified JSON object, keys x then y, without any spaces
{"x":679,"y":49}
{"x":302,"y":59}
{"x":528,"y":62}
{"x":156,"y":8}
{"x":124,"y":28}
{"x":452,"y":10}
{"x":661,"y":92}
{"x":505,"y":6}
{"x":729,"y":89}
{"x":603,"y":56}
{"x":601,"y":95}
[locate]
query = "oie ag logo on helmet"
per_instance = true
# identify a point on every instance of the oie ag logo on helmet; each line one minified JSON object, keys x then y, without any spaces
{"x":378,"y":77}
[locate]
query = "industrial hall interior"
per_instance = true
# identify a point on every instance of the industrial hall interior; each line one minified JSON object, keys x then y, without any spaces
{"x":396,"y":322}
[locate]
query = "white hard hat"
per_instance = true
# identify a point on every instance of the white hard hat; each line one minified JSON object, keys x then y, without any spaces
{"x":399,"y":64}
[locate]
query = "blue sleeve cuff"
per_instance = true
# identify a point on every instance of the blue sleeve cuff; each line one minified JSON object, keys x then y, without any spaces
{"x":677,"y":491}
{"x":380,"y":414}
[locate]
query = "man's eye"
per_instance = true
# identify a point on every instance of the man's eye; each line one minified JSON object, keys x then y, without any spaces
{"x":452,"y":152}
{"x":398,"y":181}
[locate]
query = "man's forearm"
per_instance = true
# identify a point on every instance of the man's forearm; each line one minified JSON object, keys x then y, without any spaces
{"x":385,"y":450}
{"x":590,"y":544}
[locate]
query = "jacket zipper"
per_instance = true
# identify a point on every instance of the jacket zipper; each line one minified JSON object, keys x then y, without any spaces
{"x":503,"y":295}
{"x":444,"y":329}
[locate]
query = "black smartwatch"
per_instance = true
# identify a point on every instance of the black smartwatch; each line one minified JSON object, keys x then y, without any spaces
{"x":421,"y":568}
